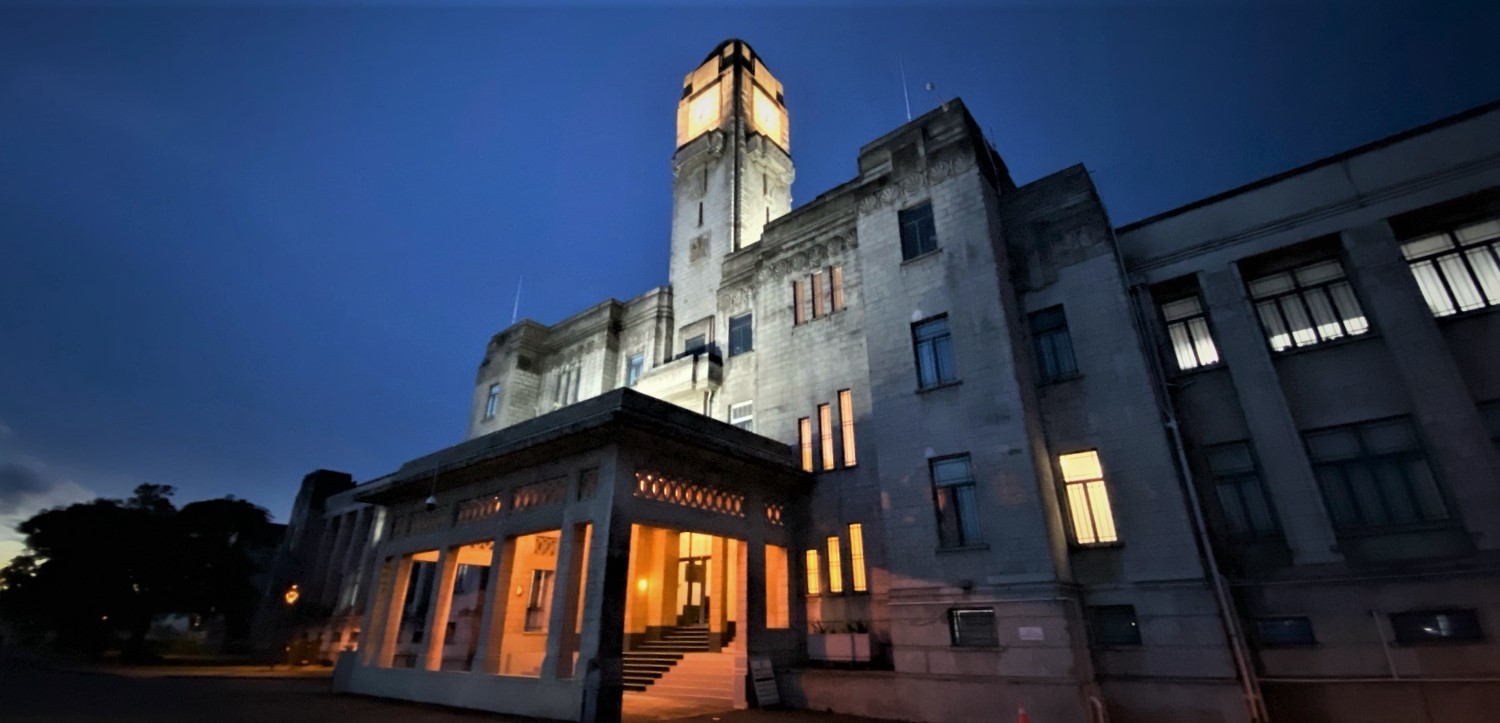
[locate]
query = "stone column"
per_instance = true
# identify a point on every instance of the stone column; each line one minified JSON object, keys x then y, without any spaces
{"x":492,"y":620}
{"x":718,"y":611}
{"x":439,"y":607}
{"x":604,"y":633}
{"x":562,"y":625}
{"x":376,"y":601}
{"x":1453,"y":435}
{"x":1288,"y":474}
{"x":389,"y":619}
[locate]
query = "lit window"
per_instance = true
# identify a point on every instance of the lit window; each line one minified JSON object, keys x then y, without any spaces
{"x":804,"y":441}
{"x":1284,"y":632}
{"x":836,"y":283}
{"x":918,"y":234}
{"x":934,"y":350}
{"x":972,"y":628}
{"x":1308,"y":305}
{"x":799,"y":311}
{"x":1053,"y":345}
{"x":835,"y":566}
{"x":846,"y":423}
{"x":1088,"y":501}
{"x":1114,"y":626}
{"x":492,"y":403}
{"x":740,"y":339}
{"x":1459,"y":270}
{"x":857,"y":556}
{"x":1187,"y":325}
{"x":825,"y":434}
{"x":953,"y":497}
{"x":1435,"y":626}
{"x":767,"y":115}
{"x":816,"y":283}
{"x":742,"y":415}
{"x":814,"y":585}
{"x":1375,"y":474}
{"x":633,"y":369}
{"x":1242,"y":497}
{"x":777,"y":590}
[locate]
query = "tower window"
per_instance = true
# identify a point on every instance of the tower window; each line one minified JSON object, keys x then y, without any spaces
{"x":817,"y":294}
{"x":836,"y":284}
{"x":934,"y":349}
{"x":492,"y":403}
{"x":799,"y":310}
{"x":700,"y":213}
{"x":918,"y":234}
{"x":741,"y":338}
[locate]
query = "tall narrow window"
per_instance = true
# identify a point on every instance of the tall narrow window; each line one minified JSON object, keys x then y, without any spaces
{"x":814,"y":585}
{"x":1458,"y":270}
{"x":740,"y":335}
{"x":742,"y":415}
{"x":1375,"y":474}
{"x":799,"y":310}
{"x":1307,"y":305}
{"x":816,"y":283}
{"x":539,"y":600}
{"x":934,"y":350}
{"x":825,"y":434}
{"x":836,"y":284}
{"x":804,"y":442}
{"x":835,"y":566}
{"x":1088,"y":501}
{"x":953,"y":498}
{"x":633,"y":369}
{"x":492,"y":402}
{"x":857,"y":557}
{"x":1187,"y":325}
{"x":700,"y":213}
{"x":1241,"y":495}
{"x":777,"y":587}
{"x":846,"y":424}
{"x":918,"y":234}
{"x":1053,"y":345}
{"x":577,"y":382}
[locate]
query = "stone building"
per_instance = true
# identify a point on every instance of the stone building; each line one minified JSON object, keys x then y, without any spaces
{"x":937,"y":446}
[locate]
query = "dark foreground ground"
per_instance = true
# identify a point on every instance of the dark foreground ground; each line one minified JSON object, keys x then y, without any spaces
{"x":37,"y":691}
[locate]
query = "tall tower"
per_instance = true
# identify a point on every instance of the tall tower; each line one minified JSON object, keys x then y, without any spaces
{"x":732,"y":174}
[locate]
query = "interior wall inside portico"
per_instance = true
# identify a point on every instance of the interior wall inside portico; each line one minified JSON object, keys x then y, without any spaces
{"x":682,"y":578}
{"x":531,"y":590}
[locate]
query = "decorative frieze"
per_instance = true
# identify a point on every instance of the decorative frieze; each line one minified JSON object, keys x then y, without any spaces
{"x":908,"y":187}
{"x":695,"y":495}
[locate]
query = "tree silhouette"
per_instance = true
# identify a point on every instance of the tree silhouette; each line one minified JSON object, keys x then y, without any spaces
{"x":95,"y":569}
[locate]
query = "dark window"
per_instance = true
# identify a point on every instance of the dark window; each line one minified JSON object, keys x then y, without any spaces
{"x":633,"y":369}
{"x":448,"y":633}
{"x":1459,"y":270}
{"x":953,"y":497}
{"x":934,"y":349}
{"x":1307,"y":305}
{"x":1489,"y":412}
{"x":1114,"y":626}
{"x":697,"y":343}
{"x":740,"y":339}
{"x":1374,"y":474}
{"x":918,"y":235}
{"x":492,"y":403}
{"x":1054,"y":348}
{"x":1242,"y":497}
{"x":1435,"y":626}
{"x":972,"y":628}
{"x":1276,"y":632}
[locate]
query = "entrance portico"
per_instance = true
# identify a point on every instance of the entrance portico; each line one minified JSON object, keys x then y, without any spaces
{"x":558,"y":544}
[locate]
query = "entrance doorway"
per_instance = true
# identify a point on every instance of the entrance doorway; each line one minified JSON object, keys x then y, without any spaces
{"x":694,"y":571}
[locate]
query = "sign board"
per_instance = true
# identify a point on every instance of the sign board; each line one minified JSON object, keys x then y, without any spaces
{"x":1030,"y":633}
{"x":763,"y":677}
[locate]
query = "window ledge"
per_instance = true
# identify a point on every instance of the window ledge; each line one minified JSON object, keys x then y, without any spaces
{"x":1330,"y":344}
{"x":1075,"y":376}
{"x":1471,"y":313}
{"x":1176,"y":373}
{"x":975,"y":547}
{"x":923,"y":256}
{"x":939,"y":385}
{"x":1078,"y":546}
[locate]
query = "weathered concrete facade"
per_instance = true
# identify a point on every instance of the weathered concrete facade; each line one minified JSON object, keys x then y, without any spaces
{"x":1054,"y":463}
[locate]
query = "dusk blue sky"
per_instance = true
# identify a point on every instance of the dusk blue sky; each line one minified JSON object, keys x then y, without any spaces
{"x":239,"y":245}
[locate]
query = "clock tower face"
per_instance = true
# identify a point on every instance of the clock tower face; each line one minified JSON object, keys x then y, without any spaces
{"x":703,"y":111}
{"x":768,"y":117}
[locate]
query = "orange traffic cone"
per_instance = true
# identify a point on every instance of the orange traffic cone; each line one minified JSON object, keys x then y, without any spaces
{"x":1021,"y":716}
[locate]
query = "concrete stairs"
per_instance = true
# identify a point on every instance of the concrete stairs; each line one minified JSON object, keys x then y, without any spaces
{"x":679,"y":665}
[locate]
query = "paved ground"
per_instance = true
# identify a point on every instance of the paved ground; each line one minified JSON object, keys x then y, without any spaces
{"x":33,"y":692}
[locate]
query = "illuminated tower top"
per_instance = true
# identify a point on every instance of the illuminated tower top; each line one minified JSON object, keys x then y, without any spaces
{"x":731,"y":80}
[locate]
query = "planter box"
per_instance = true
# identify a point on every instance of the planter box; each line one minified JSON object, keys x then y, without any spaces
{"x":840,"y":647}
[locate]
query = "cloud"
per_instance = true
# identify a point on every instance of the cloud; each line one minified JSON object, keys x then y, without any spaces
{"x":24,"y":491}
